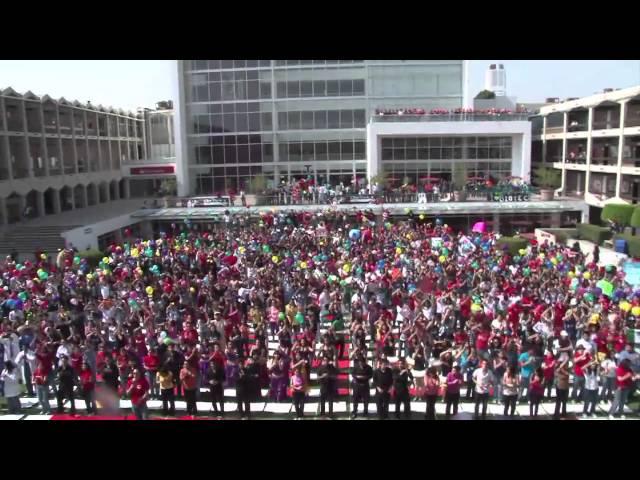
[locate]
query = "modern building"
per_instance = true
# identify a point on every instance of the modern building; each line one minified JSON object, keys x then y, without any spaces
{"x":156,"y":173}
{"x":411,"y":147}
{"x":281,"y":119}
{"x":595,"y":142}
{"x":58,"y":155}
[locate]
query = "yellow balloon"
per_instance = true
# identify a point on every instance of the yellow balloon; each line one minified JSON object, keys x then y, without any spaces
{"x":595,"y":318}
{"x":571,"y":274}
{"x":476,"y":308}
{"x":522,"y":251}
{"x":554,"y":261}
{"x":541,"y":256}
{"x":303,"y":265}
{"x":442,"y":259}
{"x":134,"y":252}
{"x":149,"y":291}
{"x":625,"y":306}
{"x":192,"y":289}
{"x":398,"y":250}
{"x":275,"y":259}
{"x":242,"y":250}
{"x":105,"y":260}
{"x":346,"y":268}
{"x":586,"y":275}
{"x":89,"y":276}
{"x":422,"y":216}
{"x":635,"y":311}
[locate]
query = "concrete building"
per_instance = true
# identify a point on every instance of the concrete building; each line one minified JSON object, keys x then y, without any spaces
{"x":58,"y":155}
{"x":495,"y":79}
{"x":595,"y":142}
{"x":282,"y":119}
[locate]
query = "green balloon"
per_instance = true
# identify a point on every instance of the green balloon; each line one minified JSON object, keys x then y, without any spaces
{"x":299,"y":318}
{"x":281,"y":316}
{"x":43,"y":275}
{"x":76,"y":260}
{"x":23,"y":296}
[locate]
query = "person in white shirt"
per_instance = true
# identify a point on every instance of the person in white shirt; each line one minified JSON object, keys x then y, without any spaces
{"x":12,"y":389}
{"x":590,"y":388}
{"x":608,"y":370}
{"x":483,"y":379}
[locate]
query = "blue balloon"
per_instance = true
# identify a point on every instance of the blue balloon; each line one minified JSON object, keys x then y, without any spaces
{"x":354,"y":234}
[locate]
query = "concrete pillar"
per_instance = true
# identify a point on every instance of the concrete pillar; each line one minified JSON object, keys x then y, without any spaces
{"x":116,"y":191}
{"x":589,"y":151}
{"x":27,"y":149}
{"x":623,"y":110}
{"x":74,"y":149}
{"x":127,"y":189}
{"x":45,"y":148}
{"x":496,"y":222}
{"x":107,"y":193}
{"x":565,"y":122}
{"x":4,"y":142}
{"x":83,"y":195}
{"x":59,"y":140}
{"x":4,"y":214}
{"x":22,"y":204}
{"x":40,"y":209}
{"x":544,"y":139}
{"x":56,"y":202}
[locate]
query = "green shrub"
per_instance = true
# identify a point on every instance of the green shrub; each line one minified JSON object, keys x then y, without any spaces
{"x":593,"y":233}
{"x":635,"y":218}
{"x":513,"y":243}
{"x":619,"y":212}
{"x":633,"y":244}
{"x":93,"y":257}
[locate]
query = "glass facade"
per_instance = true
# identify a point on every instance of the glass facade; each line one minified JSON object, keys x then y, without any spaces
{"x":286,"y":119}
{"x":408,"y":159}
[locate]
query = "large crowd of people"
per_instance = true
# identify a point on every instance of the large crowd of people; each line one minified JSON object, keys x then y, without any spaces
{"x":355,"y":302}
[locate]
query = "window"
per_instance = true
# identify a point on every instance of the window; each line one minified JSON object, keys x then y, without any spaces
{"x":358,"y":87}
{"x":346,"y":149}
{"x":307,"y":121}
{"x":255,"y":153}
{"x":334,"y":150}
{"x":320,"y":88}
{"x":282,"y":121}
{"x":307,"y":151}
{"x":346,"y":119}
{"x":243,"y":153}
{"x":295,"y":152}
{"x":226,"y":64}
{"x":321,"y":150}
{"x":346,"y":87}
{"x":254,"y":122}
{"x":266,"y":121}
{"x":320,"y":119}
{"x":230,"y":154}
{"x":359,"y":120}
{"x":359,"y":150}
{"x":267,"y":152}
{"x":265,"y":90}
{"x":293,"y":89}
{"x":306,"y":89}
{"x":294,"y":120}
{"x":333,"y":88}
{"x":229,"y":122}
{"x":333,"y":119}
{"x":281,"y":89}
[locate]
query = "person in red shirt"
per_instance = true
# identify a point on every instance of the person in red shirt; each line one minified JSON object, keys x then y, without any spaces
{"x":190,"y":335}
{"x":151,"y":363}
{"x":189,"y":382}
{"x":88,"y":388}
{"x":581,"y":358}
{"x":548,"y":371}
{"x":624,"y":384}
{"x":41,"y":381}
{"x":138,"y":389}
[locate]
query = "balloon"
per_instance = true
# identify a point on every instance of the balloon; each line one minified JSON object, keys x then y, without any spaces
{"x":522,"y":251}
{"x":586,"y":275}
{"x":266,"y":248}
{"x":607,"y":287}
{"x":398,"y":251}
{"x":42,"y":275}
{"x":105,"y":260}
{"x":554,"y":261}
{"x":442,"y":259}
{"x":299,"y":318}
{"x":133,"y":295}
{"x":135,"y":253}
{"x":303,"y":265}
{"x":571,"y":275}
{"x":149,"y":252}
{"x":590,"y":297}
{"x":43,"y":256}
{"x":526,"y":271}
{"x":149,"y":291}
{"x":346,"y":268}
{"x":23,"y":296}
{"x":475,"y":308}
{"x":595,"y":318}
{"x":422,"y":216}
{"x":167,"y":341}
{"x":635,"y":311}
{"x":89,"y":276}
{"x":281,"y":316}
{"x":275,"y":259}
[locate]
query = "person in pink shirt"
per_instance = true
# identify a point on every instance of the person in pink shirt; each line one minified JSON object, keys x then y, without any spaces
{"x":452,"y":395}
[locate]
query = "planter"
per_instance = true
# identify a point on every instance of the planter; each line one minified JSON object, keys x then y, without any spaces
{"x":546,"y":194}
{"x":459,"y":196}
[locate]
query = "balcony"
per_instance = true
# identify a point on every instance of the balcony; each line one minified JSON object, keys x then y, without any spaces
{"x":452,"y":117}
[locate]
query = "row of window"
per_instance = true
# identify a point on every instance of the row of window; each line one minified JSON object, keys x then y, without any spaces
{"x":225,"y":64}
{"x":422,"y":142}
{"x":222,"y":154}
{"x":231,"y":90}
{"x":454,"y":153}
{"x":322,"y":119}
{"x":292,"y":63}
{"x":320,"y":88}
{"x":322,"y":151}
{"x":239,"y":107}
{"x":416,"y":171}
{"x":233,"y":122}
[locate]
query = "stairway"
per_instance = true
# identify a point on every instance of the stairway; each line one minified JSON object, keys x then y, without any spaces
{"x":27,"y":239}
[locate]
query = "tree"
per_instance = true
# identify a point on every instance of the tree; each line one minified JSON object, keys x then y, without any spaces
{"x":459,"y":175}
{"x":380,"y":178}
{"x":547,"y":178}
{"x":485,"y":95}
{"x":169,"y":187}
{"x":258,"y":184}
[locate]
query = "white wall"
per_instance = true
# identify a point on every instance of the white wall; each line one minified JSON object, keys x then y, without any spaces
{"x":180,"y":130}
{"x":520,"y":131}
{"x":87,"y":236}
